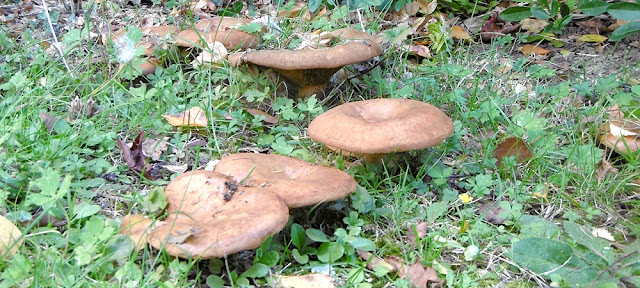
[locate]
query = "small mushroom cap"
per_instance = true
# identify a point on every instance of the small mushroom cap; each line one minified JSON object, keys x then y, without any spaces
{"x":221,"y":29}
{"x":619,"y":143}
{"x":381,"y":126}
{"x":298,"y":182}
{"x":204,"y":224}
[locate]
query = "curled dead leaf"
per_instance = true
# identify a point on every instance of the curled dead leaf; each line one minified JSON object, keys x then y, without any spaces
{"x":194,"y":117}
{"x":459,"y":33}
{"x":536,"y":50}
{"x":512,"y":146}
{"x":268,"y":118}
{"x":533,"y":25}
{"x":420,"y":229}
{"x":492,"y":213}
{"x":420,"y":50}
{"x":299,"y":9}
{"x":134,"y":156}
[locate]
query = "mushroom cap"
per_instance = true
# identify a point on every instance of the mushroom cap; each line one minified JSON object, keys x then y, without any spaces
{"x":324,"y":58}
{"x":619,"y":143}
{"x":381,"y":126}
{"x":221,"y":29}
{"x":137,"y":227}
{"x":212,"y":216}
{"x":298,"y":182}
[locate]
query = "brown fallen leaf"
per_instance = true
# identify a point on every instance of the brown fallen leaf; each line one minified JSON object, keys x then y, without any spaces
{"x":604,"y":168}
{"x":154,"y":147}
{"x":299,"y":9}
{"x":135,"y":157}
{"x":305,"y":281}
{"x":459,"y":33}
{"x":536,"y":50}
{"x":421,"y":230}
{"x":268,"y":118}
{"x":48,"y":120}
{"x":45,"y":221}
{"x":493,"y":215}
{"x":194,"y":117}
{"x":512,"y":146}
{"x":419,"y":275}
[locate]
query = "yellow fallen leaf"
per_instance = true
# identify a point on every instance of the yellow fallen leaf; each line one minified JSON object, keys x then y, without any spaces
{"x":592,"y":38}
{"x":537,"y":50}
{"x":533,"y":25}
{"x":9,"y":233}
{"x":305,"y":281}
{"x":194,"y":117}
{"x":459,"y":33}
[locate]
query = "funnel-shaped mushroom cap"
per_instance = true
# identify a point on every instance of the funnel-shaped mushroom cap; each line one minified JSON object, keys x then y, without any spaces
{"x":298,"y":182}
{"x":311,"y":69}
{"x":623,"y":144}
{"x":212,"y":216}
{"x":381,"y":126}
{"x":221,"y":29}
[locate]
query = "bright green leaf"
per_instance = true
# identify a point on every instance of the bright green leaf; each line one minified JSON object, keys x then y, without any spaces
{"x":624,"y":11}
{"x":593,"y":8}
{"x":317,"y":235}
{"x":257,"y":270}
{"x":624,"y":31}
{"x":330,"y":252}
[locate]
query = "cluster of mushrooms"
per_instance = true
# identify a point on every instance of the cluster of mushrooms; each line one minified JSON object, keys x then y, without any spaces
{"x":247,"y":197}
{"x":620,"y":133}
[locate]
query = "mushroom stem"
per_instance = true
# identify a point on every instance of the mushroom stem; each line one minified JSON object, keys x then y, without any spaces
{"x":374,"y":158}
{"x":308,"y":91}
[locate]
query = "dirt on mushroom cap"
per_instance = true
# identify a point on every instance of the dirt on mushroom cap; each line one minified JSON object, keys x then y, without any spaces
{"x":381,"y":126}
{"x":204,"y":224}
{"x":298,"y":182}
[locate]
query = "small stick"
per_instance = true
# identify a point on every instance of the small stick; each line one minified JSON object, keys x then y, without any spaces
{"x":56,"y":44}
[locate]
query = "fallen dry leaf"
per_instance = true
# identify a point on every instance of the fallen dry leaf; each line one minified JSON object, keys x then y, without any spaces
{"x":537,"y":50}
{"x":533,"y":25}
{"x":604,"y":168}
{"x":592,"y":38}
{"x":134,"y":157}
{"x":194,"y":117}
{"x":513,"y":146}
{"x":154,"y":147}
{"x":419,"y":275}
{"x":421,"y":229}
{"x":299,"y":9}
{"x":493,"y":215}
{"x":420,"y":50}
{"x":459,"y":33}
{"x":9,"y":233}
{"x":305,"y":281}
{"x":48,"y":120}
{"x":603,"y":233}
{"x":268,"y":118}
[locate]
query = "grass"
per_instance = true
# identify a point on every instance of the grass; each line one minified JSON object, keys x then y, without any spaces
{"x":75,"y":172}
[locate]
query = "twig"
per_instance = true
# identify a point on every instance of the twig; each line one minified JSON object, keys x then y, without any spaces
{"x":56,"y":44}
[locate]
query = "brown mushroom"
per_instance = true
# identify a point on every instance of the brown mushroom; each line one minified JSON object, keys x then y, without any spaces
{"x":221,"y":29}
{"x":311,"y":69}
{"x":377,"y":127}
{"x":137,"y":227}
{"x":212,"y":216}
{"x":298,"y":182}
